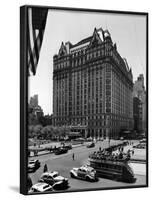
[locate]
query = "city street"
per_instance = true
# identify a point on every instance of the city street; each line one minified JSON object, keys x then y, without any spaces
{"x":64,"y":163}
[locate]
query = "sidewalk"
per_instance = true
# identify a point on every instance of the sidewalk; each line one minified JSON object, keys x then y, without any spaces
{"x":139,"y":155}
{"x":52,"y":144}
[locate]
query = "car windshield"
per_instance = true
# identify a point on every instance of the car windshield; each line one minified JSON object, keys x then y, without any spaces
{"x":31,"y":162}
{"x":35,"y":190}
{"x":44,"y":176}
{"x":55,"y":175}
{"x":46,"y":186}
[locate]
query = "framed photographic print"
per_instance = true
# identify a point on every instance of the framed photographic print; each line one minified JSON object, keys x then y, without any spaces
{"x":84,"y":99}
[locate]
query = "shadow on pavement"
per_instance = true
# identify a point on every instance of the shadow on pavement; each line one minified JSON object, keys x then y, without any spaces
{"x":14,"y":188}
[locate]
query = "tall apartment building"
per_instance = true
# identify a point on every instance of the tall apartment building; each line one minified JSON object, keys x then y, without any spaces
{"x":35,"y":111}
{"x":137,"y":113}
{"x":34,"y":101}
{"x":92,"y":87}
{"x":140,"y":93}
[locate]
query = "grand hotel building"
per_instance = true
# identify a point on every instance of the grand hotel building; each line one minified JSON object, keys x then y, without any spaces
{"x":92,"y":87}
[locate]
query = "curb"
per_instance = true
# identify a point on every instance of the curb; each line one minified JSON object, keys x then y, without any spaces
{"x":138,"y":161}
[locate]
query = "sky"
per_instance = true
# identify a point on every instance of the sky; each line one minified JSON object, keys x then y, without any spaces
{"x":127,"y":31}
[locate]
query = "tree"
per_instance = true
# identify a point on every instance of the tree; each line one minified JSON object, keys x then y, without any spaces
{"x":55,"y":132}
{"x":64,"y":131}
{"x":37,"y":130}
{"x":30,"y":131}
{"x":47,"y":132}
{"x":45,"y":120}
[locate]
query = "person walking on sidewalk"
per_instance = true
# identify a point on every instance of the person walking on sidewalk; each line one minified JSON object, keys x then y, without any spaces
{"x":45,"y":168}
{"x":73,"y":156}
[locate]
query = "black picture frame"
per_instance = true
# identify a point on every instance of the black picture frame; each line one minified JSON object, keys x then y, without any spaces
{"x":24,"y":92}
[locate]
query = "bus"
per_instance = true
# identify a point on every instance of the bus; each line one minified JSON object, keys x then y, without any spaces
{"x":112,"y":169}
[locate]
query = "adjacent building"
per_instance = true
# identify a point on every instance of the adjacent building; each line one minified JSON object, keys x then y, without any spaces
{"x":35,"y":111}
{"x":92,"y":87}
{"x":137,"y":113}
{"x":34,"y":101}
{"x":139,"y":94}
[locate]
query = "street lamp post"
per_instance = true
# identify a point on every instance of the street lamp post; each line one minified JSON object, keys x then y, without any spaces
{"x":109,"y":139}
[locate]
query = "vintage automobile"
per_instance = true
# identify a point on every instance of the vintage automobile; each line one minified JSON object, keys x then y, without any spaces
{"x":55,"y":180}
{"x":101,"y":139}
{"x":143,"y":140}
{"x":60,"y":150}
{"x":89,"y":139}
{"x":140,"y":146}
{"x":78,"y":141}
{"x":84,"y":173}
{"x":66,"y":146}
{"x":90,"y":145}
{"x":33,"y":165}
{"x":41,"y":187}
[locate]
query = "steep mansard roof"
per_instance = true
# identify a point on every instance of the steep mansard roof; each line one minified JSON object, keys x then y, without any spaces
{"x":99,"y":35}
{"x":86,"y":40}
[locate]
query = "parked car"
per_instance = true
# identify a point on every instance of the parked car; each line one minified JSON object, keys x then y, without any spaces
{"x":101,"y":139}
{"x":78,"y":141}
{"x":41,"y":187}
{"x":89,"y":139}
{"x":55,"y":180}
{"x":92,"y":144}
{"x":140,"y":146}
{"x":60,"y":150}
{"x":143,"y":140}
{"x":84,"y":173}
{"x":33,"y":165}
{"x":66,"y":146}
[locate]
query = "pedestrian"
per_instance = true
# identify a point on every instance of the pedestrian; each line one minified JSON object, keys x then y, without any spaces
{"x":45,"y":168}
{"x":29,"y":182}
{"x":73,"y":156}
{"x":128,"y":155}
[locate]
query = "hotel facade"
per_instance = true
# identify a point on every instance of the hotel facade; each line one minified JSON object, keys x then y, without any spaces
{"x":92,"y":87}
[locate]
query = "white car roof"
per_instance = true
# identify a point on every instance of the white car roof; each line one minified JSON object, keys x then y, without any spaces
{"x":50,"y":173}
{"x":86,"y":168}
{"x":40,"y":186}
{"x":32,"y":160}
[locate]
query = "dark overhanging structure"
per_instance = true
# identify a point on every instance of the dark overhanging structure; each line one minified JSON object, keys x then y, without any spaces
{"x":92,"y":87}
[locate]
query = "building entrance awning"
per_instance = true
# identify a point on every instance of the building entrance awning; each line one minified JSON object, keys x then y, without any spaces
{"x":78,"y":127}
{"x":74,"y":134}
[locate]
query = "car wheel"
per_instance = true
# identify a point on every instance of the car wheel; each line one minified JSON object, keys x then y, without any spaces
{"x":115,"y":177}
{"x":88,"y":179}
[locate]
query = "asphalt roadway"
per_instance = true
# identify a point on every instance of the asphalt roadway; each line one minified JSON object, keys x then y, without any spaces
{"x":64,"y":163}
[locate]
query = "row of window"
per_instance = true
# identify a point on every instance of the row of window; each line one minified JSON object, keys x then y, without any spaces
{"x":81,"y":60}
{"x":93,"y":108}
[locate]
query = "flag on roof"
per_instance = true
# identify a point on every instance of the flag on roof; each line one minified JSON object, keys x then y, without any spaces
{"x":36,"y":26}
